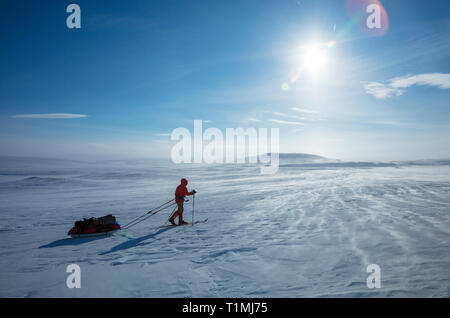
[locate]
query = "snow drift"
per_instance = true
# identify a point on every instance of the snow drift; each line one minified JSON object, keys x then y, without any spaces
{"x":308,"y":231}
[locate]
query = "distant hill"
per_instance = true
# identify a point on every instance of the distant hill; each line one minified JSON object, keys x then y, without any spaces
{"x":302,"y":158}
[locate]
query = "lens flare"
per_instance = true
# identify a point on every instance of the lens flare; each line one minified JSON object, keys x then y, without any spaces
{"x":295,"y":77}
{"x":285,"y":87}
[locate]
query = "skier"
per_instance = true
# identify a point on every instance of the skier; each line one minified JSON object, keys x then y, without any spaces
{"x":180,"y":193}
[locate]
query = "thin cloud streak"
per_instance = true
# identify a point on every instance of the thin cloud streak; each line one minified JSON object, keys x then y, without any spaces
{"x":50,"y":116}
{"x":303,"y":110}
{"x":285,"y":122}
{"x":286,"y":115}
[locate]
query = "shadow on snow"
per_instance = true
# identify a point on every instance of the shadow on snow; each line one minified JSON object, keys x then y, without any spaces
{"x":72,"y":241}
{"x":135,"y":242}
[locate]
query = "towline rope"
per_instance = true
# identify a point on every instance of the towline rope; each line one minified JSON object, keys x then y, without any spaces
{"x":149,"y":213}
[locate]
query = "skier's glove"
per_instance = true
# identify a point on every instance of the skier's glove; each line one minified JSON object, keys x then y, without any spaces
{"x":194,"y":192}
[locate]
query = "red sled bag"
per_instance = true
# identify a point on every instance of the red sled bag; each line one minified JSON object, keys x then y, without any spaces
{"x":103,"y":224}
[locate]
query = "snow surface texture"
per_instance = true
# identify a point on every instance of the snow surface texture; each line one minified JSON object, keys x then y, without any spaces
{"x":308,"y":231}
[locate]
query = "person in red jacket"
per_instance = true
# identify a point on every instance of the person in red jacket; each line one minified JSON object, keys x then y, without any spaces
{"x":180,"y":193}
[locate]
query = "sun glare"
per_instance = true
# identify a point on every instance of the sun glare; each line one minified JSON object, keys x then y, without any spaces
{"x":313,"y":59}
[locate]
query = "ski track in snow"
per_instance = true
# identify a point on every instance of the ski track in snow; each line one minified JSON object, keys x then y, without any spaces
{"x":307,"y":231}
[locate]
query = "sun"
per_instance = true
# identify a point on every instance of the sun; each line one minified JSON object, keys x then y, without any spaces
{"x":313,"y":59}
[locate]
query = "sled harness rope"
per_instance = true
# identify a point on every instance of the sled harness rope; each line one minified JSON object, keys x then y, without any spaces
{"x":150,"y":213}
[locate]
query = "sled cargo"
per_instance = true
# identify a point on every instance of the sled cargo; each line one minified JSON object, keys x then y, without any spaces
{"x":102,"y":226}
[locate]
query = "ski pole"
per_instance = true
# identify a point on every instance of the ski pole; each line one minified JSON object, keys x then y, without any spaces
{"x":193,"y":208}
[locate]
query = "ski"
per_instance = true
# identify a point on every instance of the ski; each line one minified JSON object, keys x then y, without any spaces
{"x":189,"y":223}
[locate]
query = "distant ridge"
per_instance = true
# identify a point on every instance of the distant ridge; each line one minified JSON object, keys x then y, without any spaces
{"x":292,"y":157}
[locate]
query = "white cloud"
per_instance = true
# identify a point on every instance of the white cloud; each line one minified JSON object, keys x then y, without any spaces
{"x":396,"y":86}
{"x":285,"y":115}
{"x":254,"y":120}
{"x":275,"y":113}
{"x":50,"y":116}
{"x":433,"y":79}
{"x":163,"y":135}
{"x":382,"y":91}
{"x":280,"y":114}
{"x":303,"y":110}
{"x":285,"y":122}
{"x":390,"y":123}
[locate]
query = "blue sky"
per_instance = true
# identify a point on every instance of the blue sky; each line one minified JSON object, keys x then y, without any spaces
{"x":136,"y":70}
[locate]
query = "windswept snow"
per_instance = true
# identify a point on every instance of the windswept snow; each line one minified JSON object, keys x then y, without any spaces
{"x":310,"y":230}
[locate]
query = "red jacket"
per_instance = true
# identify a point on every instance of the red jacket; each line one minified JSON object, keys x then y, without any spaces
{"x":181,"y":192}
